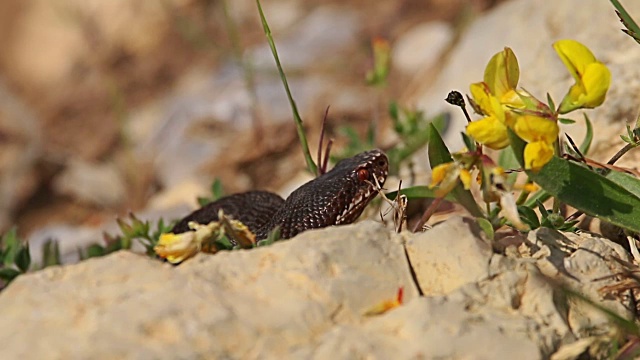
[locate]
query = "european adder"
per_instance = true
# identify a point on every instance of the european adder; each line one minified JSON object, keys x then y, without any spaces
{"x":334,"y":198}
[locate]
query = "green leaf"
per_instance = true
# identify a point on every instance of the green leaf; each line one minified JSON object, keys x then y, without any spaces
{"x":486,"y":227}
{"x":632,"y":28}
{"x":10,"y":245}
{"x":117,"y":245}
{"x":566,"y":121}
{"x":468,"y":142}
{"x":95,"y":250}
{"x":588,"y":137}
{"x":8,"y":274}
{"x":529,"y":217}
{"x":540,"y":196}
{"x":615,"y":201}
{"x":517,"y":145}
{"x":627,"y":181}
{"x":23,"y":258}
{"x":51,"y":253}
{"x":552,"y":105}
{"x":394,"y":112}
{"x":591,"y":193}
{"x":418,"y":192}
{"x":507,"y":160}
{"x":439,"y":154}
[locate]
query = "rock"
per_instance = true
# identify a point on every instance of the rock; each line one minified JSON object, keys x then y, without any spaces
{"x":20,"y":148}
{"x":421,"y":47}
{"x":311,"y":39}
{"x":306,"y":298}
{"x":238,"y":304}
{"x":431,"y":328}
{"x":448,"y":256}
{"x":97,"y":184}
{"x":63,"y":43}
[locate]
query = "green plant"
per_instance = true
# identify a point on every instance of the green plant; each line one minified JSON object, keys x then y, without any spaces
{"x":15,"y":256}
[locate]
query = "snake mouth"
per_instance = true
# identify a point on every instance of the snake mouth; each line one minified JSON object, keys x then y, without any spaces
{"x":361,"y":199}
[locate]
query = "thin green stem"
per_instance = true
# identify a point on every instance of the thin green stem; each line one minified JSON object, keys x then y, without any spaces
{"x":626,"y":18}
{"x":296,"y":116}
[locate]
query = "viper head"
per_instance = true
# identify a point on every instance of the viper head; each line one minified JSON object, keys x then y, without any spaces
{"x":334,"y":198}
{"x":356,"y":181}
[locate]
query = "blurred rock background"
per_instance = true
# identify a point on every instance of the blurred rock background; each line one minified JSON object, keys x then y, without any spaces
{"x":115,"y":106}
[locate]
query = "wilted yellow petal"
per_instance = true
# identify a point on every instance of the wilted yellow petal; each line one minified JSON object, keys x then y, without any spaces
{"x":438,"y":173}
{"x":510,"y":211}
{"x":386,"y":305}
{"x":537,"y":154}
{"x":490,"y":132}
{"x":534,"y":128}
{"x":446,"y":176}
{"x":177,"y":247}
{"x":530,"y":187}
{"x":465,"y":177}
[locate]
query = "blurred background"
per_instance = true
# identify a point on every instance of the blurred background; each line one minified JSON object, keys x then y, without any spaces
{"x":122,"y":105}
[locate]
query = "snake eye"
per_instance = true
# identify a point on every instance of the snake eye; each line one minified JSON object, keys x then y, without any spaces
{"x":363,"y":174}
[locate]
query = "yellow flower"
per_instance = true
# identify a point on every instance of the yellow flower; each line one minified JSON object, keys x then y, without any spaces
{"x":537,"y":154}
{"x":540,"y":134}
{"x":534,"y":128}
{"x":501,"y":76}
{"x":592,"y":77}
{"x":491,"y":130}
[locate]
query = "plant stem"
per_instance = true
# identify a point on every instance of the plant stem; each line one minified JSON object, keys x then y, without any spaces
{"x":296,"y":116}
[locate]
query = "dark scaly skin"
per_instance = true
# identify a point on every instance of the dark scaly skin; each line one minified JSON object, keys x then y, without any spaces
{"x":252,"y":208}
{"x":334,"y":198}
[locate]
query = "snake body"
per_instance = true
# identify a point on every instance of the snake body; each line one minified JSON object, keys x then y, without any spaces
{"x":334,"y":198}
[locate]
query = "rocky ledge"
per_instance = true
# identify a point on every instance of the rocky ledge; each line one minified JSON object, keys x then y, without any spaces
{"x":308,"y":298}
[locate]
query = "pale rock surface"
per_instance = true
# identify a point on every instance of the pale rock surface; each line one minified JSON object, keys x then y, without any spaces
{"x":422,"y":46}
{"x":306,"y":298}
{"x":448,"y":256}
{"x":20,"y":147}
{"x":99,"y":184}
{"x":242,"y":304}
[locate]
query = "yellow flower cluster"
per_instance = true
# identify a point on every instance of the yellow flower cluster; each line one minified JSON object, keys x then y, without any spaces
{"x":506,"y":107}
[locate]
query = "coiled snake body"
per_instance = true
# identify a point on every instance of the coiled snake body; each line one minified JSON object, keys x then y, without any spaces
{"x":334,"y":198}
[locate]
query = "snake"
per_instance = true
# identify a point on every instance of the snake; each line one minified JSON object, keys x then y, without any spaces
{"x":336,"y":197}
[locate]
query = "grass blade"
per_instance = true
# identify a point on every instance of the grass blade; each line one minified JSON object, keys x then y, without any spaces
{"x":313,"y":168}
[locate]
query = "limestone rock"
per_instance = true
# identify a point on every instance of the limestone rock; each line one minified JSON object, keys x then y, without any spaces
{"x":422,"y":46}
{"x":93,"y":183}
{"x":307,"y":298}
{"x":448,"y":256}
{"x":240,"y":304}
